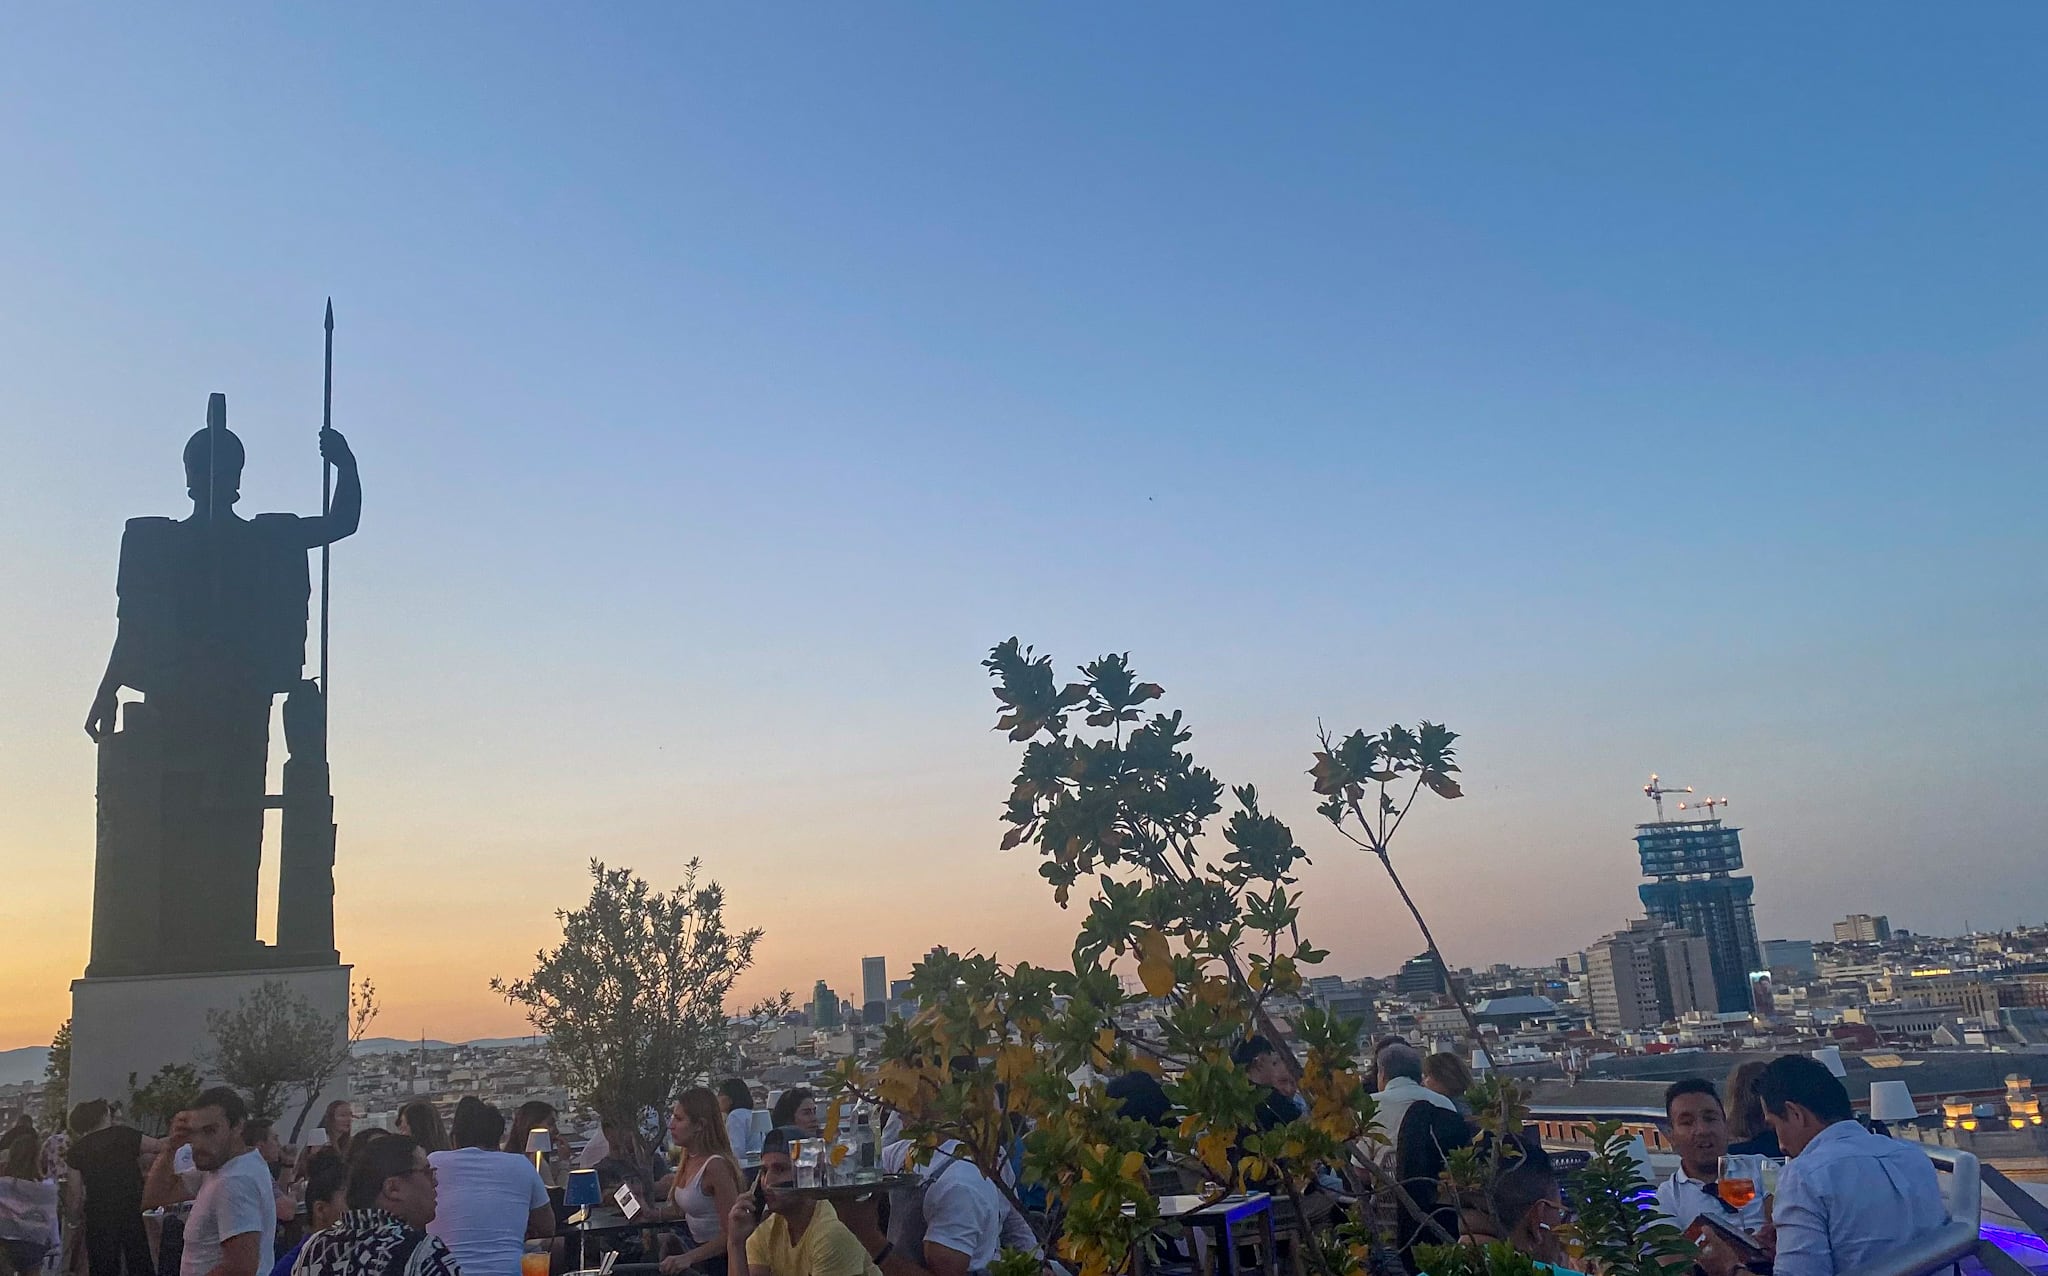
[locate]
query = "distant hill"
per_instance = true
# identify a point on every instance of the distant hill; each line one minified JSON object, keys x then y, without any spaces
{"x":25,"y":1064}
{"x":396,"y":1045}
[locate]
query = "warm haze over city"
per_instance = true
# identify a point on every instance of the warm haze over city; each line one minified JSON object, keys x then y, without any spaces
{"x":1630,"y":389}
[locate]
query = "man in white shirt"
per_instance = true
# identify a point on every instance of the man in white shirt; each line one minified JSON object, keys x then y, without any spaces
{"x":488,"y":1202}
{"x":1699,"y":1133}
{"x":1849,"y":1196}
{"x":953,"y":1223}
{"x":261,"y":1137}
{"x":232,"y":1230}
{"x":1400,"y":1069}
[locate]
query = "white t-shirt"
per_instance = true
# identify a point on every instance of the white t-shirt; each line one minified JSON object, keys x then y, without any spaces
{"x":234,"y":1200}
{"x":482,"y":1200}
{"x":962,"y":1210}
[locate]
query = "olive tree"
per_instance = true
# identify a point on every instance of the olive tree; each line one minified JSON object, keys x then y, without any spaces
{"x":273,"y":1043}
{"x":632,"y":1002}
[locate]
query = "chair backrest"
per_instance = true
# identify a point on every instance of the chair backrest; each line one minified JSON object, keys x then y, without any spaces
{"x":1965,"y":1188}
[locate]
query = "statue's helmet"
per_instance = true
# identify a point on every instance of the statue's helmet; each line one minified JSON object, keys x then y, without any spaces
{"x":226,"y":465}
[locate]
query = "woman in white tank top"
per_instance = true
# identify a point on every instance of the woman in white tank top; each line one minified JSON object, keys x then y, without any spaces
{"x":704,"y":1186}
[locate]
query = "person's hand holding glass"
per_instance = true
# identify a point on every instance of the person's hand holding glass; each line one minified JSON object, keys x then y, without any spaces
{"x":1739,"y":1180}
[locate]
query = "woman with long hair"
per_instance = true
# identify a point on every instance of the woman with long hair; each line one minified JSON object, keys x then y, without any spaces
{"x":422,"y":1121}
{"x":339,"y":1123}
{"x":736,"y":1101}
{"x":1450,"y":1076}
{"x":28,"y":1201}
{"x":705,"y":1185}
{"x":533,"y":1115}
{"x":1748,"y":1132}
{"x":798,"y":1108}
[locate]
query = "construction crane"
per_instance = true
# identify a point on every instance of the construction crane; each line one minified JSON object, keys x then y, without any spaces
{"x":1655,"y":791}
{"x":1705,"y":804}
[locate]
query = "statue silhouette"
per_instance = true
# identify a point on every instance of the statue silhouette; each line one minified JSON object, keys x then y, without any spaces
{"x":212,"y":627}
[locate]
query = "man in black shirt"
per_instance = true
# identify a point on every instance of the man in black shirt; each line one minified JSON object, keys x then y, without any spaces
{"x":1424,"y":1143}
{"x":108,"y":1157}
{"x":1280,"y":1102}
{"x":1263,"y":1066}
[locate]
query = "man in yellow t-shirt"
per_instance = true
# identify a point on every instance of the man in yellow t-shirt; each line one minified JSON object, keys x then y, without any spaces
{"x":798,"y":1237}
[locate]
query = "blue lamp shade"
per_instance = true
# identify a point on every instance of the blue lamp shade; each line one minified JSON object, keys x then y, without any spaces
{"x":582,"y":1189}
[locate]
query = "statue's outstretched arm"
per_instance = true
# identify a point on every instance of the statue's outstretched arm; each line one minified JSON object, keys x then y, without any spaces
{"x":346,"y":513}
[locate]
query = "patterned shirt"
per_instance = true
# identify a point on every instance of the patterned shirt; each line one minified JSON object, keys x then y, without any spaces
{"x":54,"y":1149}
{"x":364,"y":1242}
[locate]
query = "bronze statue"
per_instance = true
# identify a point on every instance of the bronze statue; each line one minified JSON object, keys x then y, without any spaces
{"x":212,"y":628}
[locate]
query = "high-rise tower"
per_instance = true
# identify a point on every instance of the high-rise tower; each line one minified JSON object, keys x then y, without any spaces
{"x":874,"y":986}
{"x":1690,"y":863}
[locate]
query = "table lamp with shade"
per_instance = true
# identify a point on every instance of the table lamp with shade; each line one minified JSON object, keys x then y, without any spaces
{"x":1830,"y":1057}
{"x":582,"y":1191}
{"x":538,"y":1144}
{"x":1892,"y":1101}
{"x":1638,"y":1151}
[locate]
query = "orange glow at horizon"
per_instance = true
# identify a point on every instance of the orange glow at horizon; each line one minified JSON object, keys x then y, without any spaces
{"x":430,"y":934}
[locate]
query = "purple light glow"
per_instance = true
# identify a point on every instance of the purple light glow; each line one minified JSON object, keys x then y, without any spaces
{"x":2007,"y":1238}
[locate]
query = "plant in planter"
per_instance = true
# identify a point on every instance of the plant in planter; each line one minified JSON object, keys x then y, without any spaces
{"x":1006,"y":1065}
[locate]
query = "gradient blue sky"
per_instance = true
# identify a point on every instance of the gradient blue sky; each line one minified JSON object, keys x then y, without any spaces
{"x":1630,"y":389}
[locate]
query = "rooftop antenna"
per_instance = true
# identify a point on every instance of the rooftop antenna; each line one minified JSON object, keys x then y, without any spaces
{"x":1655,"y":791}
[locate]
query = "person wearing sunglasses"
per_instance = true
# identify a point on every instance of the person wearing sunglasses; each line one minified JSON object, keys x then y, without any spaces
{"x":391,"y":1199}
{"x":1524,"y":1209}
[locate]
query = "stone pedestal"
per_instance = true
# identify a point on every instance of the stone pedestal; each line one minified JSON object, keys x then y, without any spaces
{"x":136,"y":1024}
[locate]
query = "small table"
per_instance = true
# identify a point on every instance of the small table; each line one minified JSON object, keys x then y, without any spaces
{"x":605,"y":1221}
{"x":1223,"y":1217}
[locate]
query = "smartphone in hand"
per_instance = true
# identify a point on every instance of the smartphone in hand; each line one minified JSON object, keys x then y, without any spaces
{"x":1745,"y":1245}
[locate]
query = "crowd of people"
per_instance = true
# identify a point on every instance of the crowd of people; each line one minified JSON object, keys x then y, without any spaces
{"x":216,"y":1195}
{"x":465,"y":1198}
{"x":1846,"y":1194}
{"x":471,"y":1196}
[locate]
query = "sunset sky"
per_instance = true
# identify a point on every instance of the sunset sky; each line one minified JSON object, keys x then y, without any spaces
{"x":1631,"y":389}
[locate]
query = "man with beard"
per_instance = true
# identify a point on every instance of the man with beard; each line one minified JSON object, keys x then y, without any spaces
{"x":232,"y":1230}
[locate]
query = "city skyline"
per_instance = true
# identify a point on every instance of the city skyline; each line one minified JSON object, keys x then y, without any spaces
{"x":726,"y":384}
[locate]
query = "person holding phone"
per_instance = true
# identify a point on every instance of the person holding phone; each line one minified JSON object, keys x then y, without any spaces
{"x":770,"y":1232}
